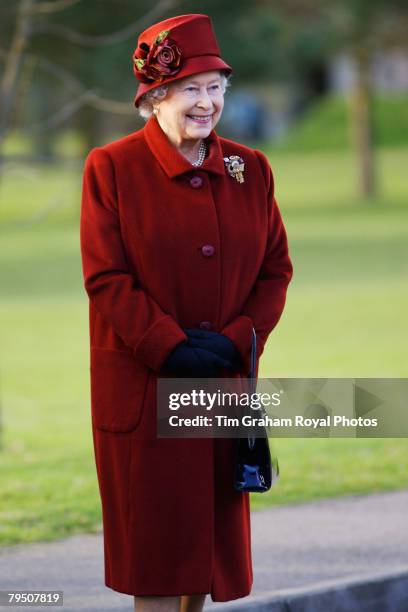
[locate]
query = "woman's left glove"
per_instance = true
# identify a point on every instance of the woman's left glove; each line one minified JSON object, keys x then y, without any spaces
{"x":217,"y":343}
{"x":193,"y":362}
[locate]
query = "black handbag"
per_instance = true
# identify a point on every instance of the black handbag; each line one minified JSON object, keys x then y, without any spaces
{"x":255,"y":471}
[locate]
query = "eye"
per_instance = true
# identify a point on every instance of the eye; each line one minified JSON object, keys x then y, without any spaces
{"x":215,"y":87}
{"x":190,"y":88}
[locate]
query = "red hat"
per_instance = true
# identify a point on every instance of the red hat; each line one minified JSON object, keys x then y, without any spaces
{"x":175,"y":48}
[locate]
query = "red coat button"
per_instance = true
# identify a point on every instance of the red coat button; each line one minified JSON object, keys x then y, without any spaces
{"x":205,"y":325}
{"x":196,"y":182}
{"x":207,"y":250}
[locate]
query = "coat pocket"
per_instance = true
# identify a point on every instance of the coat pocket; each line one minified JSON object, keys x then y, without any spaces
{"x":118,"y":387}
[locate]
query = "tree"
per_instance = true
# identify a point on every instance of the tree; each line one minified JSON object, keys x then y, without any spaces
{"x":32,"y":31}
{"x":366,"y":26}
{"x":359,"y":27}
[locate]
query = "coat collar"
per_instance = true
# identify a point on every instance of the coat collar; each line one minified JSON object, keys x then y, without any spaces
{"x":172,"y":161}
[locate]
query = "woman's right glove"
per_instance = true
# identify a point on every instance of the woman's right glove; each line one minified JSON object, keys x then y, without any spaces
{"x":186,"y":361}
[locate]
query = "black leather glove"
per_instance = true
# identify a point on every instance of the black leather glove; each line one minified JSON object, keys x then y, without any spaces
{"x":186,"y":361}
{"x":217,"y":343}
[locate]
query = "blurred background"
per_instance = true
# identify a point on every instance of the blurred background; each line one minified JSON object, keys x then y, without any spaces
{"x":322,"y":89}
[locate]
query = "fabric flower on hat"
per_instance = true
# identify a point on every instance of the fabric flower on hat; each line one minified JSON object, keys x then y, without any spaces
{"x":162,"y":59}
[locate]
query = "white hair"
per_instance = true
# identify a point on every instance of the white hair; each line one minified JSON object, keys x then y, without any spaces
{"x":145,"y":107}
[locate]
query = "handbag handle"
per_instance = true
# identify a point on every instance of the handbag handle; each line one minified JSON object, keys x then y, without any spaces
{"x":253,"y":354}
{"x":251,"y":375}
{"x":251,"y":439}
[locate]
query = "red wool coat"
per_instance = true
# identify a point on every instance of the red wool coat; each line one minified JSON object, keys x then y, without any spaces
{"x":167,"y":246}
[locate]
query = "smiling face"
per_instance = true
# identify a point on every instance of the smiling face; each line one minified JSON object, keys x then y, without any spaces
{"x":192,"y":107}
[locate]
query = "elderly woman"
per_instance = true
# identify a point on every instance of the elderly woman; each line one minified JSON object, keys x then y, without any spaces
{"x":184,"y":252}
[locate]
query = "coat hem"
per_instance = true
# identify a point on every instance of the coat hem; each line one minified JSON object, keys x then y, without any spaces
{"x":232,"y":597}
{"x":141,"y":593}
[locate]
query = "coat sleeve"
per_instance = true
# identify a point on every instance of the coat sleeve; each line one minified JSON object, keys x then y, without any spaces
{"x":132,"y":313}
{"x":266,"y":301}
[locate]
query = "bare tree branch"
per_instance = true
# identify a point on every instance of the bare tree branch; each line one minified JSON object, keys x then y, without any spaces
{"x":56,"y":70}
{"x":107,"y":39}
{"x":112,"y":106}
{"x":24,"y":28}
{"x":68,"y":79}
{"x":88,"y":97}
{"x":12,"y":65}
{"x":53,"y":7}
{"x":23,"y":87}
{"x":84,"y":96}
{"x":69,"y":109}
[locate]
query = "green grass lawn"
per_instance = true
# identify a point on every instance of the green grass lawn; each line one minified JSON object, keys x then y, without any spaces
{"x":345,"y":317}
{"x":325,"y":125}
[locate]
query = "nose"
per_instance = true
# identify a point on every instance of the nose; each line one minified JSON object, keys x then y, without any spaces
{"x":205,"y":100}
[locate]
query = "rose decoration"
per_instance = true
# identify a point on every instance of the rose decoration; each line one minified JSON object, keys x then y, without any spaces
{"x":155,"y":63}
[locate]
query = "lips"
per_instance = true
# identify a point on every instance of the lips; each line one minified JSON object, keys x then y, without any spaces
{"x":203,"y":119}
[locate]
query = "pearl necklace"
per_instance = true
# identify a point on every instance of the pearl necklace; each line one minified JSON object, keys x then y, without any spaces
{"x":201,"y":154}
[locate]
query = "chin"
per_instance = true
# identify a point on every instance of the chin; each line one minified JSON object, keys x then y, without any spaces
{"x":199,"y":132}
{"x":196,"y":126}
{"x":203,"y":128}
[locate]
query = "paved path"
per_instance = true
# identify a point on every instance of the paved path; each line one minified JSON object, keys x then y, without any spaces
{"x":334,"y":541}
